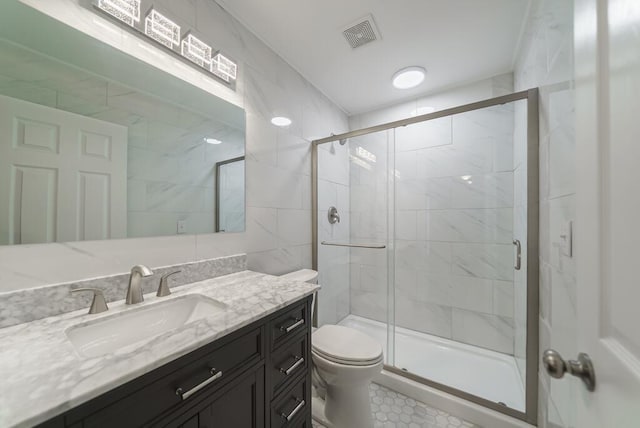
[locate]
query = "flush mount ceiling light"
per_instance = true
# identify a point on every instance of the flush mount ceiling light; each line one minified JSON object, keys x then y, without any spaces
{"x":281,"y":121}
{"x":409,"y":77}
{"x":127,"y":11}
{"x":162,"y":29}
{"x":212,"y":141}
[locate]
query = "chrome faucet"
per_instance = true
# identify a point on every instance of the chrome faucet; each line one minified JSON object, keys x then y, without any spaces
{"x":134,"y":292}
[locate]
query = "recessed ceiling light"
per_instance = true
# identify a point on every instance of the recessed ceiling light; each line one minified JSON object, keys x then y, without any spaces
{"x":281,"y":121}
{"x":409,"y":77}
{"x":212,"y":141}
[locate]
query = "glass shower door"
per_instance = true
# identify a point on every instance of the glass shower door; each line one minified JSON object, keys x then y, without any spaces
{"x":455,"y":227}
{"x":353,"y":254}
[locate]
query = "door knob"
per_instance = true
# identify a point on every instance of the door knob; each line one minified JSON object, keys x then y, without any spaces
{"x":556,"y":367}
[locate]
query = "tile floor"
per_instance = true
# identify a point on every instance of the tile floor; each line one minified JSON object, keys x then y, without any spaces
{"x":393,"y":410}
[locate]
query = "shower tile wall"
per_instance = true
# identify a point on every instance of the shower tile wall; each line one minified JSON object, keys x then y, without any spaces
{"x":333,"y":262}
{"x":453,"y":227}
{"x":546,"y":61}
{"x":369,"y":224}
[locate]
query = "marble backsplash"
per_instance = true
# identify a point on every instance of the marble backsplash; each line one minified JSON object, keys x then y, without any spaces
{"x":31,"y":304}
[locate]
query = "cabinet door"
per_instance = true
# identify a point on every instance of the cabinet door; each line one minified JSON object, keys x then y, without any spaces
{"x":240,"y":406}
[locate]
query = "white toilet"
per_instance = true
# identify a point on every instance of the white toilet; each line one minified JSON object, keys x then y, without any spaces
{"x":344,"y":363}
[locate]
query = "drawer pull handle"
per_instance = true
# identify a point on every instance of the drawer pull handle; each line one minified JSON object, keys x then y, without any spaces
{"x":198,"y":387}
{"x":295,"y":365}
{"x":295,"y":411}
{"x":296,"y":324}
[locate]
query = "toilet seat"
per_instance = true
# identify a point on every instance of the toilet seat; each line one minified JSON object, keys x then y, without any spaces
{"x":346,"y":346}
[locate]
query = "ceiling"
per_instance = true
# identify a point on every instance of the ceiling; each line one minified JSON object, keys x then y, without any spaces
{"x":457,"y":41}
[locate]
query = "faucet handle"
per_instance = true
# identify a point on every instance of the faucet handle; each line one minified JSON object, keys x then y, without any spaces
{"x":163,"y":288}
{"x":99,"y":304}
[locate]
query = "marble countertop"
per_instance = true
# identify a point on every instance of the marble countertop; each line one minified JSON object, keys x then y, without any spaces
{"x":43,"y":375}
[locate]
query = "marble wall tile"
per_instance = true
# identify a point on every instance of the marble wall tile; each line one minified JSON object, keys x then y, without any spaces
{"x":477,"y":225}
{"x":262,"y":225}
{"x":434,"y":257}
{"x":491,"y":261}
{"x":472,"y":294}
{"x":484,"y":191}
{"x":422,"y":135}
{"x":369,"y":305}
{"x":294,"y":227}
{"x":561,"y":143}
{"x":545,"y":60}
{"x":422,"y":316}
{"x":487,"y":124}
{"x":373,"y":279}
{"x":406,"y":224}
{"x":435,"y":288}
{"x":454,"y":160}
{"x":503,"y":298}
{"x":484,"y":330}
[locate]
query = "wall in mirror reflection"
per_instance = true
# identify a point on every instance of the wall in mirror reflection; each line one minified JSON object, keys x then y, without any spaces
{"x":86,"y":158}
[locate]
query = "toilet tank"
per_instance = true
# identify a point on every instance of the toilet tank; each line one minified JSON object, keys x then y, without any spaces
{"x":302,"y":275}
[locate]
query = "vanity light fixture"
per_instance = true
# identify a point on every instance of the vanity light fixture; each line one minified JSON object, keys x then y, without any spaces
{"x":162,"y":29}
{"x":196,"y":50}
{"x":127,"y":11}
{"x":223,"y":67}
{"x":212,"y":141}
{"x":409,"y":77}
{"x":281,"y":121}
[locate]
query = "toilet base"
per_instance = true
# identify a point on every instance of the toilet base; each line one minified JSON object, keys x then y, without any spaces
{"x":344,"y":407}
{"x":317,"y":412}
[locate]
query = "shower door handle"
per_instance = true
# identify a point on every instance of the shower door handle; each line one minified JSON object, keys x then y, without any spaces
{"x":518,"y":265}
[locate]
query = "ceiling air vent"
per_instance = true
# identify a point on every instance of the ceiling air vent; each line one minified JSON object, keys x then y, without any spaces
{"x":361,"y":32}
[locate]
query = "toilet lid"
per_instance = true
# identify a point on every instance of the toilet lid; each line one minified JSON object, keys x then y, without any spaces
{"x":345,"y":345}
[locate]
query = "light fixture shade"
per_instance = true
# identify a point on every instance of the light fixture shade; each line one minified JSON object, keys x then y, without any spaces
{"x":223,"y":67}
{"x":162,"y":29}
{"x":281,"y":121}
{"x":409,"y":77}
{"x":127,"y":11}
{"x":196,"y":50}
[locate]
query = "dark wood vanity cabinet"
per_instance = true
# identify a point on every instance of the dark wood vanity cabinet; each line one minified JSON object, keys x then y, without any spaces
{"x":256,"y":377}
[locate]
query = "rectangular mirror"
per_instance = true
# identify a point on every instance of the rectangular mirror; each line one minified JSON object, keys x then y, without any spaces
{"x":96,"y":144}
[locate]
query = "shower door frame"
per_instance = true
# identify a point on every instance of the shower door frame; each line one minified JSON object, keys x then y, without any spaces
{"x":532,"y":98}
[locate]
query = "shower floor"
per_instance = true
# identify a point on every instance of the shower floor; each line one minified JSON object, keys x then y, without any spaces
{"x":481,"y":372}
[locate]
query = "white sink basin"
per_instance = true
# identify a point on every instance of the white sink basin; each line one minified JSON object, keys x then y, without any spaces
{"x":108,"y":335}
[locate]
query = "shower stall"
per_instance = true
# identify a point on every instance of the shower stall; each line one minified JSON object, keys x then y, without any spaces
{"x":434,"y":251}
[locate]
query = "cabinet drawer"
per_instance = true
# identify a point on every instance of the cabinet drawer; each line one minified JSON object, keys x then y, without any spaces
{"x":288,"y":409}
{"x":200,"y":375}
{"x":288,"y":363}
{"x":288,"y":325}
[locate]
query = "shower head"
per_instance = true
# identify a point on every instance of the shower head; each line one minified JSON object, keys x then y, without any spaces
{"x":342,"y":141}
